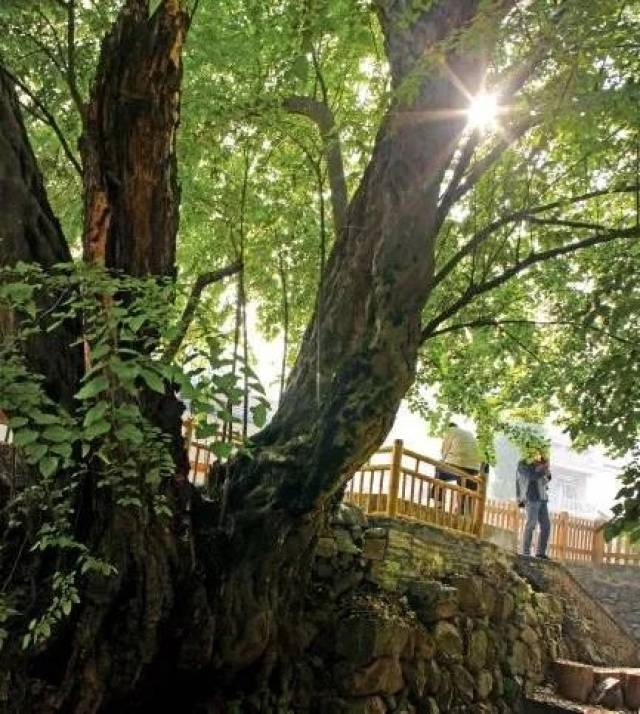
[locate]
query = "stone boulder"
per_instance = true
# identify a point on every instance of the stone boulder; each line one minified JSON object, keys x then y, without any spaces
{"x":360,"y":639}
{"x":448,"y":641}
{"x":382,"y":676}
{"x":574,"y":680}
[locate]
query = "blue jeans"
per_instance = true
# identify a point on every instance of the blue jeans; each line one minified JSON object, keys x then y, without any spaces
{"x":537,"y":512}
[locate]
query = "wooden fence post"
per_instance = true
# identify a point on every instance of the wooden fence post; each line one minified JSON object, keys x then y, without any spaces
{"x":394,"y":483}
{"x":482,"y":501}
{"x":188,"y":433}
{"x":597,"y":553}
{"x":563,"y":531}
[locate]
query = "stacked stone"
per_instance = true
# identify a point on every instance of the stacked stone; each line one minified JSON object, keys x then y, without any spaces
{"x":394,"y":638}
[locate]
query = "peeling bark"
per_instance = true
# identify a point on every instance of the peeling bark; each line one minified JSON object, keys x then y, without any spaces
{"x":128,"y":148}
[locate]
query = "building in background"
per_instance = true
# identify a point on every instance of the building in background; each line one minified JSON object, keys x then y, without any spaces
{"x":583,"y":483}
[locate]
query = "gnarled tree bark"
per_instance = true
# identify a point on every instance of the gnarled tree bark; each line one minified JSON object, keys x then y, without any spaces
{"x":193,"y":614}
{"x":31,"y":233}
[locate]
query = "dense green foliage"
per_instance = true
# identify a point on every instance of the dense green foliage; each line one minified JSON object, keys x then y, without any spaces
{"x":125,"y":328}
{"x":511,"y":329}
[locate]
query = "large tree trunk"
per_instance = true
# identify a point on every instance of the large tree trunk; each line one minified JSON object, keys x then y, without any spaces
{"x":208,"y":608}
{"x":376,"y":284}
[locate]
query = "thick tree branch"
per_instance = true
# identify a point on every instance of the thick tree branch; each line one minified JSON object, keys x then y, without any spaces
{"x":322,"y":116}
{"x":479,"y":288}
{"x":201,"y":282}
{"x":31,"y":233}
{"x":132,"y":194}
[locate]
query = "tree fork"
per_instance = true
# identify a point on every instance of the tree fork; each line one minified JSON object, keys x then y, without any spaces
{"x":224,"y":611}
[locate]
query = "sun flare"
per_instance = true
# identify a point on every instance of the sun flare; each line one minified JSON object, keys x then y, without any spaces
{"x":483,"y":111}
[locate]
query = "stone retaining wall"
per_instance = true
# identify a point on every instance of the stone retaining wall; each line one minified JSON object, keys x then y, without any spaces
{"x":408,"y":618}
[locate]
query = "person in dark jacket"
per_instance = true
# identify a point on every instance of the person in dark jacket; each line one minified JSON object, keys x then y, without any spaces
{"x":532,"y":492}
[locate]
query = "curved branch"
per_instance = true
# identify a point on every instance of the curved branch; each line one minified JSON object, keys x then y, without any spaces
{"x":522,"y":215}
{"x":45,"y":116}
{"x":474,"y":290}
{"x":322,"y":116}
{"x":202,"y":281}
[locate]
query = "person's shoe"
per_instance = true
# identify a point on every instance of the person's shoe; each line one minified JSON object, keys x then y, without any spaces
{"x":543,"y":557}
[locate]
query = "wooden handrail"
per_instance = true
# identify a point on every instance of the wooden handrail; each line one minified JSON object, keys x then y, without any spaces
{"x":434,"y":481}
{"x":442,"y":465}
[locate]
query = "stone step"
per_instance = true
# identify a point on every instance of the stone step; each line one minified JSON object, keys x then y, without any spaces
{"x":611,"y":687}
{"x":545,"y":701}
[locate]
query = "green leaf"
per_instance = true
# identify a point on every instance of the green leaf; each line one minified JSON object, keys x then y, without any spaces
{"x":130,"y":433}
{"x":102,"y":350}
{"x":95,"y":413}
{"x":48,"y":466}
{"x":17,"y":422}
{"x":35,"y":452}
{"x":203,"y":431}
{"x":259,"y":413}
{"x":135,"y":323}
{"x":153,"y":380}
{"x":57,"y":434}
{"x":44,"y":418}
{"x":25,"y":436}
{"x":63,"y":450}
{"x":92,"y":388}
{"x":222,"y":449}
{"x":97,"y":429}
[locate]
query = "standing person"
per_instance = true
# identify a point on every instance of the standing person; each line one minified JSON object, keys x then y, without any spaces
{"x":532,"y":492}
{"x":459,"y":449}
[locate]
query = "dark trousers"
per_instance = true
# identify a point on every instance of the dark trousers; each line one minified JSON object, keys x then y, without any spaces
{"x":537,"y":514}
{"x":443,"y":475}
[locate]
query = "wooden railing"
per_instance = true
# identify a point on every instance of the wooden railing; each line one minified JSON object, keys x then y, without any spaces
{"x":401,"y":482}
{"x":571,"y":538}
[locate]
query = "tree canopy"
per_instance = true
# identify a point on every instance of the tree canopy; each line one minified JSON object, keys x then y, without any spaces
{"x":274,"y":96}
{"x":323,"y":157}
